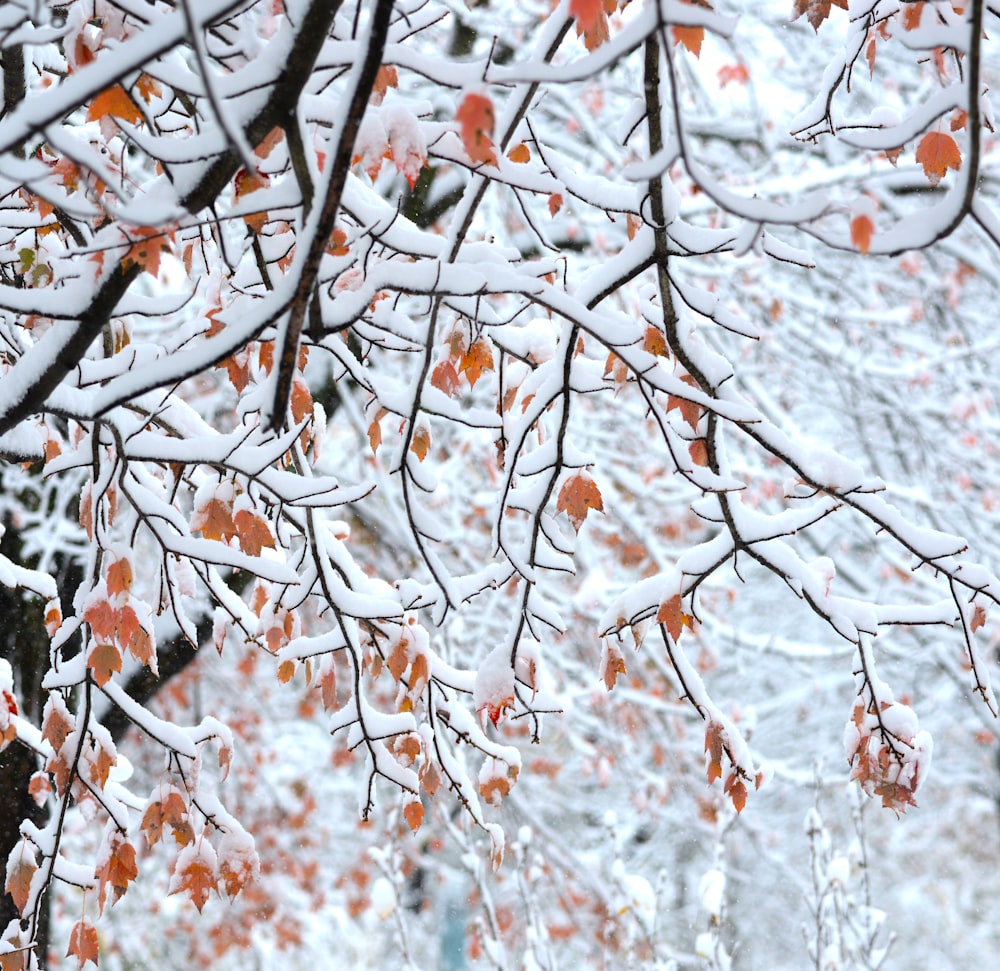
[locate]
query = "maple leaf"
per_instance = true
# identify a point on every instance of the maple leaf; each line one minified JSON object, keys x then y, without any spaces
{"x":100,"y":615}
{"x":444,"y":377}
{"x":238,"y":863}
{"x":104,"y":660}
{"x":111,"y":103}
{"x":591,"y":22}
{"x":862,"y":230}
{"x":478,"y":358}
{"x":673,"y":617}
{"x":83,"y":943}
{"x":816,"y":11}
{"x":690,"y":410}
{"x":578,"y":495}
{"x":214,"y":520}
{"x":117,"y":869}
{"x":21,"y":867}
{"x":195,"y":872}
{"x":57,"y":722}
{"x":386,"y":78}
{"x":148,"y":244}
{"x":476,"y":121}
{"x":938,"y":152}
{"x":691,"y":37}
{"x":253,"y":532}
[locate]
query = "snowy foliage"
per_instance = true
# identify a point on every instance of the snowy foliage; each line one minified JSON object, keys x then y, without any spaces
{"x":609,"y":376}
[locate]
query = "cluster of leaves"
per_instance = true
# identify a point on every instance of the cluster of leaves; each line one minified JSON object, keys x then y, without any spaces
{"x":361,"y":420}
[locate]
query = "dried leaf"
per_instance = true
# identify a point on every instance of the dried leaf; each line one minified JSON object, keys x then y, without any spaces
{"x":478,"y":358}
{"x":104,"y":660}
{"x":21,"y":867}
{"x":83,"y":943}
{"x":938,"y":152}
{"x":673,"y":617}
{"x":253,"y":532}
{"x":578,"y":495}
{"x":816,"y":11}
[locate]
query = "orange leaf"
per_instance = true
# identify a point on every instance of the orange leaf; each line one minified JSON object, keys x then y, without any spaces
{"x":253,"y":532}
{"x":690,"y":410}
{"x":215,"y":520}
{"x":114,"y":102}
{"x":119,"y":576}
{"x":520,"y":154}
{"x":937,"y":153}
{"x":286,"y":670}
{"x":385,"y":79}
{"x":103,"y":660}
{"x":476,"y":120}
{"x":690,"y":37}
{"x":672,"y":617}
{"x":591,"y":22}
{"x":698,"y":450}
{"x":578,"y":495}
{"x":21,"y":867}
{"x":414,"y":813}
{"x":102,"y":620}
{"x":195,"y":873}
{"x":614,"y":664}
{"x":148,"y":88}
{"x":445,"y":378}
{"x":738,"y":794}
{"x":118,"y":870}
{"x":478,"y":358}
{"x":654,"y":342}
{"x":421,"y":442}
{"x":555,"y":203}
{"x":862,"y":230}
{"x":714,"y":747}
{"x":83,"y":943}
{"x":816,"y":11}
{"x":398,"y":661}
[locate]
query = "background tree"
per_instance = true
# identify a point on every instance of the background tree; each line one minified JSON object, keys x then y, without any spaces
{"x":433,"y":387}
